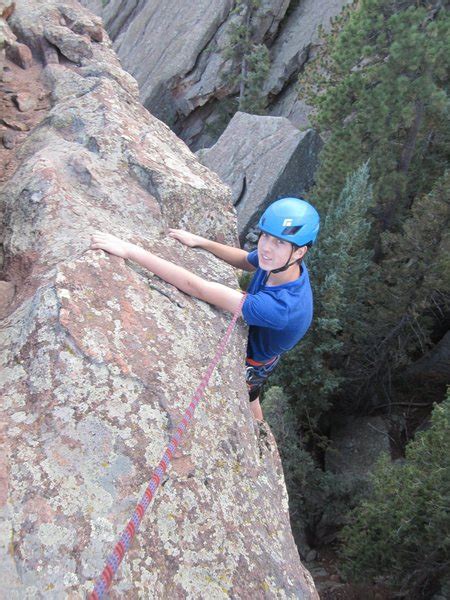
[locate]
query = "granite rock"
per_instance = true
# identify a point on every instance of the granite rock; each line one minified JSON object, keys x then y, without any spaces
{"x":25,"y":102}
{"x":176,"y":52}
{"x":184,"y":69}
{"x":99,"y":359}
{"x":262,"y":159}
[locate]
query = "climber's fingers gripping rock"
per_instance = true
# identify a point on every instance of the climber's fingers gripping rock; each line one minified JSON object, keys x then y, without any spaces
{"x":186,"y":238}
{"x":109,"y":243}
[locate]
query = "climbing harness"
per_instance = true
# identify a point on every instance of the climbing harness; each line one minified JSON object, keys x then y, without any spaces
{"x":256,"y":374}
{"x":112,"y":564}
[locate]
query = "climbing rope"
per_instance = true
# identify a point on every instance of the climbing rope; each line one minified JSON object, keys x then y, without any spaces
{"x":112,"y":564}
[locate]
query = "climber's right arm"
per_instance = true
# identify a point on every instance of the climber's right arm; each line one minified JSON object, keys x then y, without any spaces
{"x":231,"y":255}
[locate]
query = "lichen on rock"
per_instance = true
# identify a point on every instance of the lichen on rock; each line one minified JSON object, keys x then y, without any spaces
{"x":99,"y":358}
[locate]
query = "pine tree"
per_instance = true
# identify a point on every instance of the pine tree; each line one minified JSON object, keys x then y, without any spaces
{"x":252,"y":99}
{"x":380,"y":85}
{"x":413,"y":292}
{"x":386,"y":99}
{"x":251,"y":61}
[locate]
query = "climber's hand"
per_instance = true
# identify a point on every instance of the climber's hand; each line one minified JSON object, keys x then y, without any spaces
{"x":109,"y":243}
{"x":186,"y":238}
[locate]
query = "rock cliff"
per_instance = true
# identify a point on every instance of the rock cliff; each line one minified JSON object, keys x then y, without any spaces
{"x":98,"y":358}
{"x":176,"y":52}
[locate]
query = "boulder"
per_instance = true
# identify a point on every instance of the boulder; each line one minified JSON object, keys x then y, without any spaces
{"x":25,"y":102}
{"x":6,"y":8}
{"x":99,"y":360}
{"x":434,"y":365}
{"x":356,"y":445}
{"x":73,"y":46}
{"x":16,"y":125}
{"x":19,"y":54}
{"x":6,"y":296}
{"x":8,"y":140}
{"x":6,"y":36}
{"x":82,"y":24}
{"x":262,"y":159}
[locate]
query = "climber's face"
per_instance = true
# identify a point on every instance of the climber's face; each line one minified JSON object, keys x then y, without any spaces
{"x":273,"y":253}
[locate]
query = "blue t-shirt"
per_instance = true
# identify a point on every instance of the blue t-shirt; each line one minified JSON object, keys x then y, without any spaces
{"x":278,"y":316}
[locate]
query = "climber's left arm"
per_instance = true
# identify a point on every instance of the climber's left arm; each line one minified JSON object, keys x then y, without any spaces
{"x":214,"y":293}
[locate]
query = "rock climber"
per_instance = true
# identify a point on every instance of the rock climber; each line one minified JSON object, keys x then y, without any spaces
{"x":278,"y":307}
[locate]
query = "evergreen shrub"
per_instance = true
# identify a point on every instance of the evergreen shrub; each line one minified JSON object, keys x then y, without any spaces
{"x":401,"y":532}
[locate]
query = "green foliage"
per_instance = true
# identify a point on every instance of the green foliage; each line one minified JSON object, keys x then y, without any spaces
{"x":311,"y":372}
{"x":381,"y":280}
{"x":244,"y":280}
{"x":317,"y":76}
{"x":258,"y":67}
{"x":385,"y":98}
{"x":421,"y":250}
{"x":413,"y":292}
{"x":317,"y":499}
{"x":380,"y":87}
{"x":401,"y":531}
{"x":250,"y":60}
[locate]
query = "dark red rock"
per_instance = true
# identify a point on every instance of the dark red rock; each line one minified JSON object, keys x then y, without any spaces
{"x":20,"y":55}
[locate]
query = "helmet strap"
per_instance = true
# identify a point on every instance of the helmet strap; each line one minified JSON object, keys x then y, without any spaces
{"x":288,"y":263}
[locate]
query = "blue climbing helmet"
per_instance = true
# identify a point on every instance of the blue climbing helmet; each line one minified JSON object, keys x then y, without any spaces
{"x":291,"y":219}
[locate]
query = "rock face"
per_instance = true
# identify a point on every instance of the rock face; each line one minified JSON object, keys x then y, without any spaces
{"x":261,"y":159}
{"x":6,"y":36}
{"x":98,"y":358}
{"x":356,"y":445}
{"x":434,"y":365}
{"x":24,"y":99}
{"x":292,"y":48}
{"x":176,"y":52}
